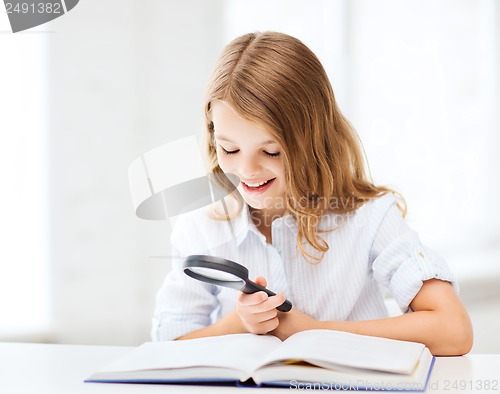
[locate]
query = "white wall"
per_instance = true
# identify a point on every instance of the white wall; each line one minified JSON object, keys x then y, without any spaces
{"x":125,"y":76}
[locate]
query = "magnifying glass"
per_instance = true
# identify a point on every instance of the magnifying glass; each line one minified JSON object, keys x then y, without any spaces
{"x":227,"y":273}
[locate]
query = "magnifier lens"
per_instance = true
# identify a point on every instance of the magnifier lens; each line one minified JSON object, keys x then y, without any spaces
{"x":216,"y":274}
{"x":222,"y":272}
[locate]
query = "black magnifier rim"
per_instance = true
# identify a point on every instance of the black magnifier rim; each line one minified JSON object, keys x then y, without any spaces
{"x":230,"y":267}
{"x":216,"y":263}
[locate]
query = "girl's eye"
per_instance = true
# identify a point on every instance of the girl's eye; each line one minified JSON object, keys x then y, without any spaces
{"x":232,"y":152}
{"x":229,"y":152}
{"x":275,"y":154}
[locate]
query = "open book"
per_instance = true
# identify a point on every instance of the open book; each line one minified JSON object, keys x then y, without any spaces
{"x":308,"y":359}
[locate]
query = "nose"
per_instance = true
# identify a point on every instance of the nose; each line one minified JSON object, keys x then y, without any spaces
{"x":249,"y":167}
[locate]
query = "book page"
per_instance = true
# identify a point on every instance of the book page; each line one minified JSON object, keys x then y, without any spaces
{"x":352,"y":378}
{"x":237,"y":351}
{"x":331,"y":347}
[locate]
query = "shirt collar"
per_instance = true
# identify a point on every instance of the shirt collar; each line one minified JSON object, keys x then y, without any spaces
{"x":243,"y":225}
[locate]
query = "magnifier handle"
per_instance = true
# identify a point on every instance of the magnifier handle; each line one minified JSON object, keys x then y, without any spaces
{"x":252,"y":287}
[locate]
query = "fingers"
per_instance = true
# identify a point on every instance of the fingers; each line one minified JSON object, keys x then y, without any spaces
{"x":260,"y":322}
{"x":267,"y":326}
{"x":260,"y":301}
{"x":258,"y":311}
{"x":260,"y":280}
{"x":262,"y":317}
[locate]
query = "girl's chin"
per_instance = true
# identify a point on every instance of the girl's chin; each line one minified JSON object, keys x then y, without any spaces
{"x":268,"y":203}
{"x":253,"y":203}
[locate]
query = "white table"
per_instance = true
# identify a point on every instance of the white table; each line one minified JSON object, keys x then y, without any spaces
{"x":54,"y":369}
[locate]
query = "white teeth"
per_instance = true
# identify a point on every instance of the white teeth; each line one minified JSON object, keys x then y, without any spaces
{"x":256,"y":184}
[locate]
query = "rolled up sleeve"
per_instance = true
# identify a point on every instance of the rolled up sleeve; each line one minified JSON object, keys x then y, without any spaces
{"x":401,"y":263}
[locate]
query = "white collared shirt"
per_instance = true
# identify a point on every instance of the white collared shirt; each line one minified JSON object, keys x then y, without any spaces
{"x":372,"y":248}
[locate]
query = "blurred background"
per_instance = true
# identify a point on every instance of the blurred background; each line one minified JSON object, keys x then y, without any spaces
{"x":84,"y":95}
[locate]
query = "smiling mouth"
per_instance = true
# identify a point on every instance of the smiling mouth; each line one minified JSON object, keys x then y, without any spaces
{"x":257,"y":186}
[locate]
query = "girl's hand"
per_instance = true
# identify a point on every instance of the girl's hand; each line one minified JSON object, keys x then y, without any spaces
{"x":257,"y":311}
{"x":293,"y":322}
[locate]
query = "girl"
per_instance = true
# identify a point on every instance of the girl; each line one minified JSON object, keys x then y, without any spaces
{"x":311,"y":224}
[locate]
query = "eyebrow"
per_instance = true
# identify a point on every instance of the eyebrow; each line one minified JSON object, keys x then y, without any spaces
{"x":222,"y":138}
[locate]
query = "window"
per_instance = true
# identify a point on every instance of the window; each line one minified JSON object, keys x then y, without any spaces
{"x":421,"y":102}
{"x":418,"y":80}
{"x":23,"y":173}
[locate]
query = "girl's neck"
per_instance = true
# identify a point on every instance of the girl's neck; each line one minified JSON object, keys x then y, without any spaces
{"x":263,"y":220}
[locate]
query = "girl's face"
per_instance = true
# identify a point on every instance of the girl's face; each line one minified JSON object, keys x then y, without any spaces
{"x":246,"y":150}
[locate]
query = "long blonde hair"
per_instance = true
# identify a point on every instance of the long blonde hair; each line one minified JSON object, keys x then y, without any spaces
{"x":276,"y":81}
